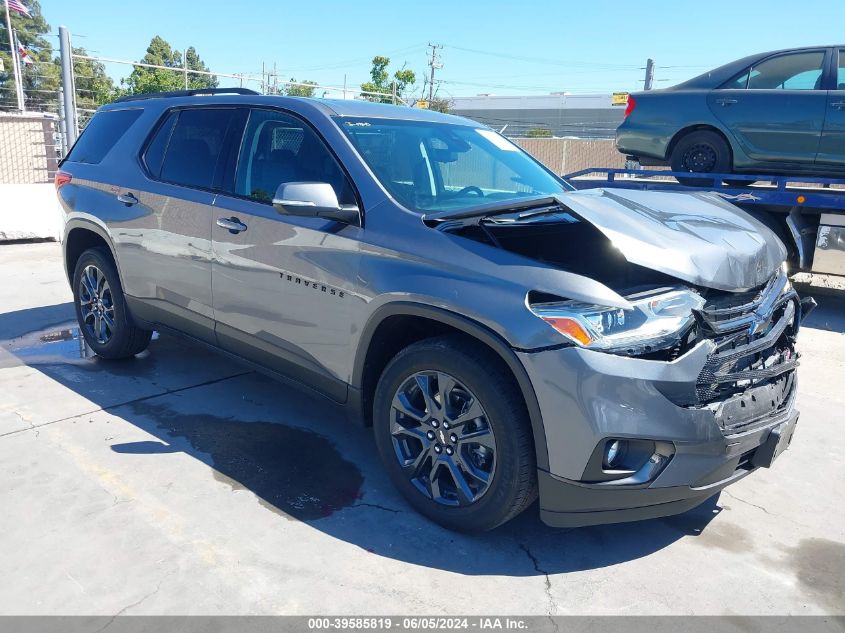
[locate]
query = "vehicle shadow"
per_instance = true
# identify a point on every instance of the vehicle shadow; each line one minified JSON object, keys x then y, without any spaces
{"x":829,"y":315}
{"x":301,"y":458}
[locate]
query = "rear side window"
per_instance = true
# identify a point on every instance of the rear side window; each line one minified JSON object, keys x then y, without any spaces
{"x":190,"y":145}
{"x":796,"y":71}
{"x":840,"y":82}
{"x":101,"y":134}
{"x":154,"y":156}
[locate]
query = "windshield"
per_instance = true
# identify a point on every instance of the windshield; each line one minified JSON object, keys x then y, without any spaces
{"x":434,"y":167}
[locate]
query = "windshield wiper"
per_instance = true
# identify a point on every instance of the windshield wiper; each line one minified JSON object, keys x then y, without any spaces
{"x":474,"y":214}
{"x":530,"y":216}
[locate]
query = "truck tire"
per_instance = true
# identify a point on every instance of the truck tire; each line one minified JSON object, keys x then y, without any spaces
{"x":104,"y":320}
{"x":702,"y":151}
{"x":453,"y":432}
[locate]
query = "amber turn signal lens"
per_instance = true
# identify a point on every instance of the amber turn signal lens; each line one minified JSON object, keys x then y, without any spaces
{"x":570,"y":328}
{"x":62,"y":178}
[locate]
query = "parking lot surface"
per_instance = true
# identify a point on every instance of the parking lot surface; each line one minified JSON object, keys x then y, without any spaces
{"x":182,"y":482}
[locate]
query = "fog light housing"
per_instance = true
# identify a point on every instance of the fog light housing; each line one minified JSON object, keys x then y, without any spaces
{"x":624,"y":461}
{"x":614,"y":451}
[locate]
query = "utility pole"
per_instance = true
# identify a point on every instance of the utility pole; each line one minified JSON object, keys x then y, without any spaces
{"x":62,"y":123}
{"x":649,"y":74}
{"x":15,"y":68}
{"x":435,"y":64}
{"x":66,"y":53}
{"x":185,"y":66}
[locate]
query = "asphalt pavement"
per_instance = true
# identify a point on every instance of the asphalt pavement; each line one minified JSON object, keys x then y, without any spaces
{"x":181,"y":482}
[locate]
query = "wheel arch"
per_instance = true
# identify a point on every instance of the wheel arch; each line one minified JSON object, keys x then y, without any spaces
{"x":698,"y":127}
{"x":80,"y":235}
{"x":396,"y":325}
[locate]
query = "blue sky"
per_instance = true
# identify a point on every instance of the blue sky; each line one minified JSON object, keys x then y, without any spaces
{"x":494,"y":47}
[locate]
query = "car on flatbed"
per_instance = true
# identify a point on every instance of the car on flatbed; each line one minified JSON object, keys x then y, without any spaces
{"x":781,"y":112}
{"x":623,"y":355}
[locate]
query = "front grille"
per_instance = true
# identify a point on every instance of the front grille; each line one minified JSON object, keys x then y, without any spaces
{"x":749,"y":374}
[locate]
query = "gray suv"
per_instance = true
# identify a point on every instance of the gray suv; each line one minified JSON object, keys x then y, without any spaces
{"x":621,"y":354}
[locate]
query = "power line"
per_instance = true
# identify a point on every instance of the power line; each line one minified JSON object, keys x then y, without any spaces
{"x":354,"y":62}
{"x":541,"y":60}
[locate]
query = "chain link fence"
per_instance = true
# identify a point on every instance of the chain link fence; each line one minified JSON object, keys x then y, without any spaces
{"x":567,"y":155}
{"x":29,"y":148}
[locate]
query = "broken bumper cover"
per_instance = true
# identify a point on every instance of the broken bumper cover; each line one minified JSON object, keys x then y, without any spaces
{"x":588,"y":397}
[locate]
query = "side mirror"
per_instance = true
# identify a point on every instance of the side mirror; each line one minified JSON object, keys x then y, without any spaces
{"x":313,"y":200}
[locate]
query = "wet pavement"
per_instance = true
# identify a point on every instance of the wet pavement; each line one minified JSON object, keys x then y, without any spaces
{"x":181,"y":482}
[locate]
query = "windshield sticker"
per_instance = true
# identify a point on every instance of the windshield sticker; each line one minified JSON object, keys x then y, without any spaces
{"x":498,"y":140}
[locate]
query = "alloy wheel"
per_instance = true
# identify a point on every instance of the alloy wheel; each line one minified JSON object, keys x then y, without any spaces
{"x":96,"y":304}
{"x":442,"y":438}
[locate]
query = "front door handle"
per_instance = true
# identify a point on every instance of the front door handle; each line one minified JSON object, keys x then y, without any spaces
{"x":725,"y":101}
{"x":839,"y":105}
{"x":233,"y":224}
{"x":127,"y":198}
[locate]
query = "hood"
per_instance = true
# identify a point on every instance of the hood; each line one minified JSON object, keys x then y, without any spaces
{"x":697,"y":237}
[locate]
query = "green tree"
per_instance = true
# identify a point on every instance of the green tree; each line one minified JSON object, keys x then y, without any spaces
{"x":300,"y":90}
{"x":93,"y":86}
{"x":160,"y":53}
{"x":195,"y":63}
{"x":539,"y":132}
{"x":380,"y":81}
{"x":41,"y":78}
{"x":440,"y":104}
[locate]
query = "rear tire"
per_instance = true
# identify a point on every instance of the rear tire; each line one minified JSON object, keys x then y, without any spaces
{"x":104,"y":319}
{"x":701,"y":152}
{"x":426,"y":460}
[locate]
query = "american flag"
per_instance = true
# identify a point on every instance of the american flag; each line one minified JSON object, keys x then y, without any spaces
{"x":17,"y":5}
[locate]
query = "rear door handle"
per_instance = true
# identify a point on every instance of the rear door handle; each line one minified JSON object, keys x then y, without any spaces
{"x":839,"y":105}
{"x":127,"y":198}
{"x":725,"y":101}
{"x":233,"y":225}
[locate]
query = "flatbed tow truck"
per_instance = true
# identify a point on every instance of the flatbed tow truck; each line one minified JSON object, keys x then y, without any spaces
{"x":807,"y":213}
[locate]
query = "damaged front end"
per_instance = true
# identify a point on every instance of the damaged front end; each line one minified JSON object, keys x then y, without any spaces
{"x":704,"y":276}
{"x":750,"y":374}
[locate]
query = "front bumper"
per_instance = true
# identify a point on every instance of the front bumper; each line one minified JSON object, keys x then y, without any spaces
{"x":586,"y":397}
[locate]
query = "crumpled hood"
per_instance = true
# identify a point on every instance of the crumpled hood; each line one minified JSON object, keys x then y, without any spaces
{"x":696,"y":237}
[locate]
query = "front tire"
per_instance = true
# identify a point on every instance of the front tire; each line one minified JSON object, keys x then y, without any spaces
{"x":104,"y":320}
{"x":453,"y":432}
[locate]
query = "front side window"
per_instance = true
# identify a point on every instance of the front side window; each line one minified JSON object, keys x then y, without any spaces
{"x":278,"y":148}
{"x":796,"y":71}
{"x":186,"y":147}
{"x":430,"y":166}
{"x":840,"y":81}
{"x":101,"y":134}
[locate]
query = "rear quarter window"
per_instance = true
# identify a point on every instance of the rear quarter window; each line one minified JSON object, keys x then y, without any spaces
{"x":101,"y":134}
{"x":154,"y":154}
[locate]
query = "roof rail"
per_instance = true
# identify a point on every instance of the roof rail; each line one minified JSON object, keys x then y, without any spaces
{"x":188,"y":93}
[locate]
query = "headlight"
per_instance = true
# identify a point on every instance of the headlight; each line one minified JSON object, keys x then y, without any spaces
{"x":654,"y":322}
